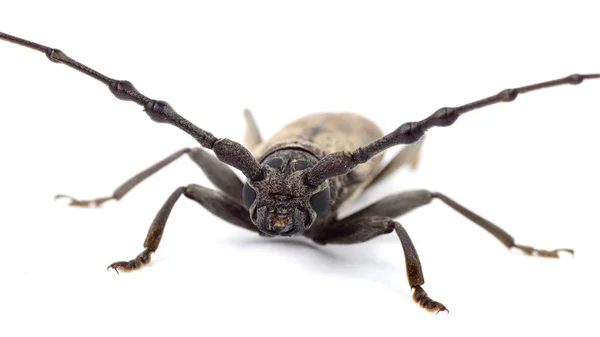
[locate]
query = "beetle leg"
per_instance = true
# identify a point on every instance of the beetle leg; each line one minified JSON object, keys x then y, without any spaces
{"x":216,"y":202}
{"x":126,"y":186}
{"x":410,"y":155}
{"x":361,"y":229}
{"x":401,"y":203}
{"x":498,"y":232}
{"x":218,"y":173}
{"x":252,"y":136}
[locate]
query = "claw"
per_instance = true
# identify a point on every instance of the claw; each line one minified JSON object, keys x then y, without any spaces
{"x":542,"y":252}
{"x":128,"y":266}
{"x":421,"y":297}
{"x":113,"y":267}
{"x":83,"y":203}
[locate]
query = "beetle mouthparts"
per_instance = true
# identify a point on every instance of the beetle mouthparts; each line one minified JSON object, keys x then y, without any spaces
{"x":281,"y":223}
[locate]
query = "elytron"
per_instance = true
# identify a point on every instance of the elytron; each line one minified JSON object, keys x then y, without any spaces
{"x":299,"y":178}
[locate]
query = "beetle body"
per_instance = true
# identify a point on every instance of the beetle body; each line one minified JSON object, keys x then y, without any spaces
{"x":299,"y":178}
{"x":307,"y":140}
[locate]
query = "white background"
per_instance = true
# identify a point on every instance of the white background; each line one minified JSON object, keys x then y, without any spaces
{"x":530,"y":166}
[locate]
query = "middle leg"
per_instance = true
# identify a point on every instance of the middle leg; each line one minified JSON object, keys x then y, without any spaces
{"x":216,"y":171}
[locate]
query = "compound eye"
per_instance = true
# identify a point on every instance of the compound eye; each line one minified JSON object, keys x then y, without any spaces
{"x":300,"y":165}
{"x":248,"y":195}
{"x":276,"y":163}
{"x":320,"y":201}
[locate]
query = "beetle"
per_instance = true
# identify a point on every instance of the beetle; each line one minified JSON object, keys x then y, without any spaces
{"x":299,"y":179}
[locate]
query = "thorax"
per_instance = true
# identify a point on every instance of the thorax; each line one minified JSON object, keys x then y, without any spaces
{"x":320,"y":134}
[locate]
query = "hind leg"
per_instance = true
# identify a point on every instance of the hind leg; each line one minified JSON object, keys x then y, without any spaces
{"x":401,"y":203}
{"x":409,"y":155}
{"x":252,"y":135}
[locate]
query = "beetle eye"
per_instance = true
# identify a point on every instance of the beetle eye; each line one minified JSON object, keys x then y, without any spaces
{"x":275,"y":163}
{"x":320,"y":201}
{"x":300,"y":165}
{"x":248,"y":195}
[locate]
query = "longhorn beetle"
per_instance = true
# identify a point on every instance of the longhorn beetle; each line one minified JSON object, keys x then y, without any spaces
{"x":299,"y":178}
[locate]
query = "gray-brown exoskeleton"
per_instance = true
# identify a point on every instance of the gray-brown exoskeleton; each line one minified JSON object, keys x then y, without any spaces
{"x":298,"y":180}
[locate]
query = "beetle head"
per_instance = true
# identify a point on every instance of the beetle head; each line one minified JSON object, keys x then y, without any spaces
{"x":281,"y":203}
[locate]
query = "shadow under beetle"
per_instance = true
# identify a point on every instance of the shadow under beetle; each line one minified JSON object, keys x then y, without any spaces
{"x":298,"y":179}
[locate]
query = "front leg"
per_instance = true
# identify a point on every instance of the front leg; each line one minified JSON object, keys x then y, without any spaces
{"x":219,"y":204}
{"x":358,"y":230}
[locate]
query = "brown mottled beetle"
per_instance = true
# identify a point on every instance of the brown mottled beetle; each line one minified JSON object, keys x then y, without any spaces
{"x":299,"y":179}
